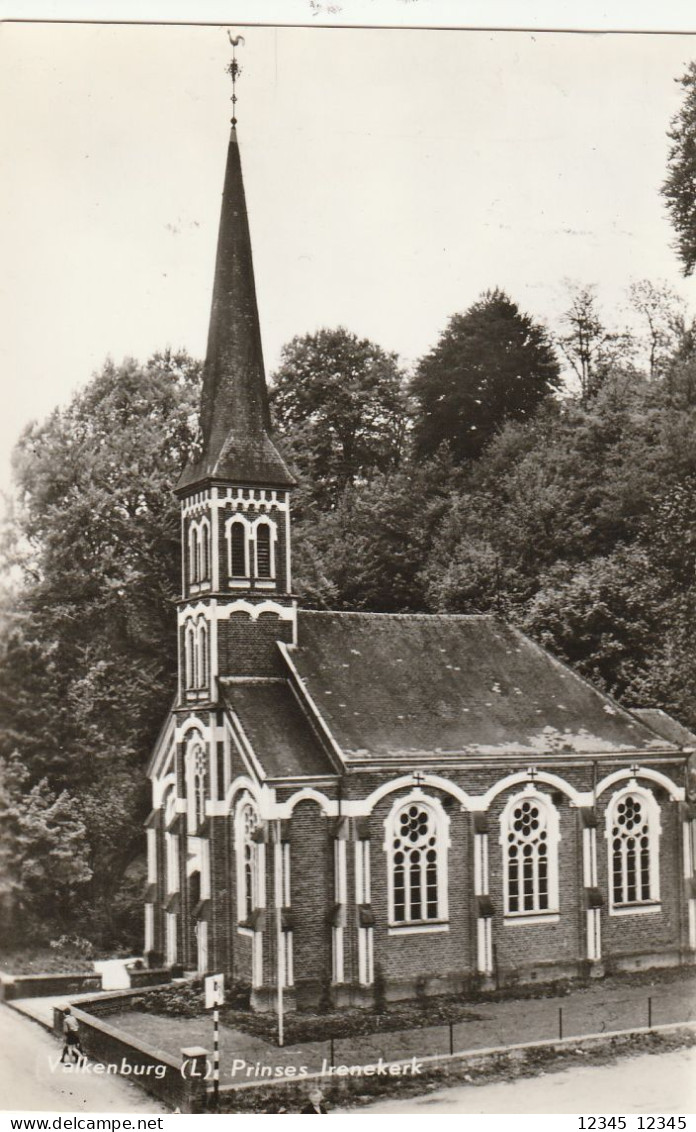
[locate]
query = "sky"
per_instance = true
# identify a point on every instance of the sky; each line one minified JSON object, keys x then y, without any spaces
{"x":392,"y":176}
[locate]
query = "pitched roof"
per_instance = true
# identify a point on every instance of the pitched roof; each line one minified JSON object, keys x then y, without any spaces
{"x":662,"y":723}
{"x":393,"y":686}
{"x":235,"y":419}
{"x":277,"y":728}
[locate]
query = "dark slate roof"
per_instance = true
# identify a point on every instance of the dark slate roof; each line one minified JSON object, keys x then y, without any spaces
{"x":235,"y":419}
{"x":666,"y":727}
{"x":280,"y":734}
{"x":393,"y":686}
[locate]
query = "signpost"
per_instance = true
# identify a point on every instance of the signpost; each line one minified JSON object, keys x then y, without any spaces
{"x":214,"y":997}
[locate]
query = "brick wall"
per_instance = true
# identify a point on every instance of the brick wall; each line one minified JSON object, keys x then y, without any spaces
{"x":312,"y":897}
{"x":248,"y":647}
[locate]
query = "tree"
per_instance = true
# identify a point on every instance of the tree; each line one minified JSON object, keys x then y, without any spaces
{"x":492,"y":364}
{"x":663,"y":313}
{"x":679,"y":188}
{"x":43,"y":853}
{"x":591,"y":349}
{"x":340,"y":406}
{"x":87,"y":653}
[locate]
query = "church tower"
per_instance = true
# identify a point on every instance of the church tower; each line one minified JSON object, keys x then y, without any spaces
{"x":235,"y":494}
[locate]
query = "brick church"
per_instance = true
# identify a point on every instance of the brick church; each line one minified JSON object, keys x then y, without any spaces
{"x":354,"y":805}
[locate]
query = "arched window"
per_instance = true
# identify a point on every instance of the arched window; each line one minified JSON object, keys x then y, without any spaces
{"x":193,"y":553}
{"x":204,"y":572}
{"x":196,"y":779}
{"x":249,"y":863}
{"x":633,"y":832}
{"x":417,"y":845}
{"x":529,"y":840}
{"x":190,"y":656}
{"x":203,"y":665}
{"x":264,"y":566}
{"x":239,"y":567}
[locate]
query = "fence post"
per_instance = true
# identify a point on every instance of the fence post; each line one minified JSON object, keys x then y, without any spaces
{"x":331,"y":1052}
{"x":560,"y":1023}
{"x":650,"y":1012}
{"x":451,"y":1036}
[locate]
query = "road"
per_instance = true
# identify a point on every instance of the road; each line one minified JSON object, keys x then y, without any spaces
{"x":649,"y":1083}
{"x":29,"y":1083}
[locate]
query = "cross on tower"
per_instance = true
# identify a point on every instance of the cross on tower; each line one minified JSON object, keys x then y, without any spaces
{"x":418,"y":778}
{"x":532,"y":772}
{"x":635,"y":770}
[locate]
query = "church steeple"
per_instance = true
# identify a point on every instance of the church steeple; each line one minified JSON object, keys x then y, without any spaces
{"x":235,"y":422}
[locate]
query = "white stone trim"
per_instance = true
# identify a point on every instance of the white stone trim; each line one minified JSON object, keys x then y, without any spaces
{"x":675,"y":792}
{"x":417,"y":929}
{"x":366,"y":956}
{"x":201,"y":930}
{"x":149,"y":926}
{"x":151,"y":840}
{"x":484,"y":945}
{"x":170,"y":932}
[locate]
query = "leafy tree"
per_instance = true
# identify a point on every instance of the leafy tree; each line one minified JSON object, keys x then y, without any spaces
{"x":43,"y":852}
{"x":492,"y":364}
{"x":592,"y":350}
{"x":339,"y":403}
{"x":679,"y":188}
{"x":87,"y":654}
{"x":663,"y":314}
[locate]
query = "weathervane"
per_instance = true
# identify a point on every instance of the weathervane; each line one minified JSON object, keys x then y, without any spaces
{"x":234,"y":70}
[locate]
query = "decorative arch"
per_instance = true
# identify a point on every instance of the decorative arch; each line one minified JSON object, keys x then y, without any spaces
{"x":675,"y":792}
{"x":416,"y":841}
{"x":520,"y":778}
{"x":307,"y":794}
{"x":435,"y":781}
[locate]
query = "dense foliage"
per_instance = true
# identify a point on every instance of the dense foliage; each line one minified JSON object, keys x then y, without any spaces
{"x":87,"y":655}
{"x":678,"y":189}
{"x":491,"y":365}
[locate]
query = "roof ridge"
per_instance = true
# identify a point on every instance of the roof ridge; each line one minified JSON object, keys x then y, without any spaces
{"x":403,"y":616}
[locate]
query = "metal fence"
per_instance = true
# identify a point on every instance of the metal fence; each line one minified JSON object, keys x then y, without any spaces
{"x":487,"y":1025}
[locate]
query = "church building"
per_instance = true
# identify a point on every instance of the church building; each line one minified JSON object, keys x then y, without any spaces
{"x":358,"y":806}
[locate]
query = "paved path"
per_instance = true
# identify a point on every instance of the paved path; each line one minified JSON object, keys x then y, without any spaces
{"x":28,"y":1083}
{"x":664,"y":1083}
{"x":598,"y":1008}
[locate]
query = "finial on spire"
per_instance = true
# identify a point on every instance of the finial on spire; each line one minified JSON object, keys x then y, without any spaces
{"x":234,"y":70}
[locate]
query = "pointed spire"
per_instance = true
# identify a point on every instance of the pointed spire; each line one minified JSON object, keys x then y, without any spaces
{"x":235,"y":419}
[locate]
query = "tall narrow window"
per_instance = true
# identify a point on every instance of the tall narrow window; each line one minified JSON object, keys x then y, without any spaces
{"x":529,"y":837}
{"x":249,"y":865}
{"x":204,"y":573}
{"x":197,"y":777}
{"x":203,"y":666}
{"x":238,"y":550}
{"x":190,"y":656}
{"x":418,"y":863}
{"x":263,"y":551}
{"x":632,"y":834}
{"x":193,"y":553}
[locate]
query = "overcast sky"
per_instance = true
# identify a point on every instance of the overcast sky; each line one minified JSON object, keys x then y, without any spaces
{"x":391,"y":177}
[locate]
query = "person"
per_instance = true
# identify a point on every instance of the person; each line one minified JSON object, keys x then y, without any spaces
{"x":315,"y":1105}
{"x":71,"y":1036}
